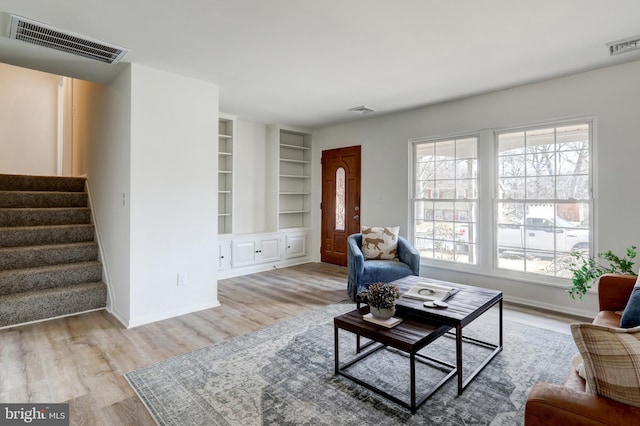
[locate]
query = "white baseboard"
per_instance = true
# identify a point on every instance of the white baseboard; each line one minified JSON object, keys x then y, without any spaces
{"x":147,"y":319}
{"x":561,"y":309}
{"x":122,"y":319}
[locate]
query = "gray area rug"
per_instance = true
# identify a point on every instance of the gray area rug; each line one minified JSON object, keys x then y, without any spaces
{"x":283,"y":375}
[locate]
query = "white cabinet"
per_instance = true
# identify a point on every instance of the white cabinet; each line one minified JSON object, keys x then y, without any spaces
{"x":254,"y":251}
{"x":295,"y":245}
{"x":225,"y":175}
{"x":249,"y":253}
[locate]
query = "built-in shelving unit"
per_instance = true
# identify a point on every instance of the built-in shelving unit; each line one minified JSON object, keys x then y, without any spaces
{"x":225,"y":176}
{"x":294,"y":181}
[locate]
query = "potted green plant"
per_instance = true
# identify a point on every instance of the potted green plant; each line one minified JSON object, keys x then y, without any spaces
{"x":381,"y":299}
{"x":587,"y":269}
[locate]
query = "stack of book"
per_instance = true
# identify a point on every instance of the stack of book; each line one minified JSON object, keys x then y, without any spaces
{"x":429,"y":291}
{"x":389,"y":323}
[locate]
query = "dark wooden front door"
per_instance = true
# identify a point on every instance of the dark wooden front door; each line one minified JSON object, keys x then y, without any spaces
{"x":340,"y":202}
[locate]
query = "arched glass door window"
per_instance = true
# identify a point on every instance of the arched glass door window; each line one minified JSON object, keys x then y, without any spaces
{"x":340,"y":199}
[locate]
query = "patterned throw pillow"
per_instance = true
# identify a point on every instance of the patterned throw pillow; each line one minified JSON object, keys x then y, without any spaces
{"x":611,"y":358}
{"x":380,"y":242}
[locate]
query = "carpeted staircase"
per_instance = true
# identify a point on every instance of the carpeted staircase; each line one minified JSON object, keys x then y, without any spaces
{"x":48,"y":254}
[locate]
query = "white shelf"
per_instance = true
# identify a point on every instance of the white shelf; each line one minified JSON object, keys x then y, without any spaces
{"x":294,"y":190}
{"x":295,"y":177}
{"x":284,"y":145}
{"x":225,"y":175}
{"x":290,"y":160}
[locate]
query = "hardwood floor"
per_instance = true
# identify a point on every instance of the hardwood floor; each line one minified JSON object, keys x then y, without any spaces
{"x":82,"y":359}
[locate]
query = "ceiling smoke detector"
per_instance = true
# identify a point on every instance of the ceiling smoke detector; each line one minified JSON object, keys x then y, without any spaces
{"x":624,"y":46}
{"x":362,"y":109}
{"x":45,"y":35}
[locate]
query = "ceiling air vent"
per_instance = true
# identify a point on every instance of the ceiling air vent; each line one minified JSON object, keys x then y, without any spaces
{"x":362,"y":109}
{"x":623,"y":46}
{"x":55,"y":38}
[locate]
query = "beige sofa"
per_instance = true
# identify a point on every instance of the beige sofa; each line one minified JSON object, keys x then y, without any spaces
{"x":567,"y":405}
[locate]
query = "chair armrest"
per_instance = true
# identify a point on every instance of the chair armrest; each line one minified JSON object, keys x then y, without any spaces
{"x":614,"y":291}
{"x":551,"y":404}
{"x":355,"y":264}
{"x":355,"y":257}
{"x":409,"y":255}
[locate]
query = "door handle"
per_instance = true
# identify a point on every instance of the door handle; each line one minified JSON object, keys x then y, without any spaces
{"x":356,"y":217}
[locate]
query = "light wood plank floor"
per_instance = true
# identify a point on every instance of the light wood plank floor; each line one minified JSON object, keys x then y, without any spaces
{"x":82,"y":359}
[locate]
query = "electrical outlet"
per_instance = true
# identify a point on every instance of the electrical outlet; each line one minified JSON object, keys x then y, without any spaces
{"x":182,"y":279}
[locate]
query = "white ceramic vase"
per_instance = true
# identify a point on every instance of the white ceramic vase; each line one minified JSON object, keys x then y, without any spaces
{"x":382,"y":313}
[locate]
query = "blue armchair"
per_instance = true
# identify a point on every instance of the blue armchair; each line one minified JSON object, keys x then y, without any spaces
{"x":363,"y":273}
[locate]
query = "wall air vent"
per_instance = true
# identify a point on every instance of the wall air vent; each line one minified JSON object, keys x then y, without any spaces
{"x":623,"y":46}
{"x":55,"y":38}
{"x":362,"y":109}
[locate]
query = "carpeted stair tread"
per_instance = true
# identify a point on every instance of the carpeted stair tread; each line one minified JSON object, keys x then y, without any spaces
{"x":45,"y":216}
{"x":49,"y":234}
{"x":43,"y":277}
{"x":42,"y":199}
{"x":41,"y":183}
{"x":49,"y":263}
{"x":43,"y":255}
{"x":38,"y":305}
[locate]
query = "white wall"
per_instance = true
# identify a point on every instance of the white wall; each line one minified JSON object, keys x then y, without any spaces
{"x":250,"y":177}
{"x":152,"y":174}
{"x":610,"y":95}
{"x":106,"y":111}
{"x":28,"y":121}
{"x":173,"y":199}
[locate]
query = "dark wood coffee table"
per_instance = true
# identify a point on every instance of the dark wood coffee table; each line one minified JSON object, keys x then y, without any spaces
{"x":420,"y":327}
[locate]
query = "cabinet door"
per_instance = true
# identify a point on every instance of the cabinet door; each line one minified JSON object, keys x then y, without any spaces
{"x":269,"y":250}
{"x":224,"y":255}
{"x":296,"y":245}
{"x":244,"y":253}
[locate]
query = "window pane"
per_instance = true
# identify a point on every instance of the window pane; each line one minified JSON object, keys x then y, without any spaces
{"x":540,"y":163}
{"x":467,"y":148}
{"x":573,"y":187}
{"x":511,"y":188}
{"x":573,"y":162}
{"x":466,"y":169}
{"x":340,"y":199}
{"x":511,"y":143}
{"x":511,"y":166}
{"x":445,"y":169}
{"x":540,"y":188}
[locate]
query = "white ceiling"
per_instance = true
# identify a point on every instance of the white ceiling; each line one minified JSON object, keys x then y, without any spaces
{"x":305,"y":63}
